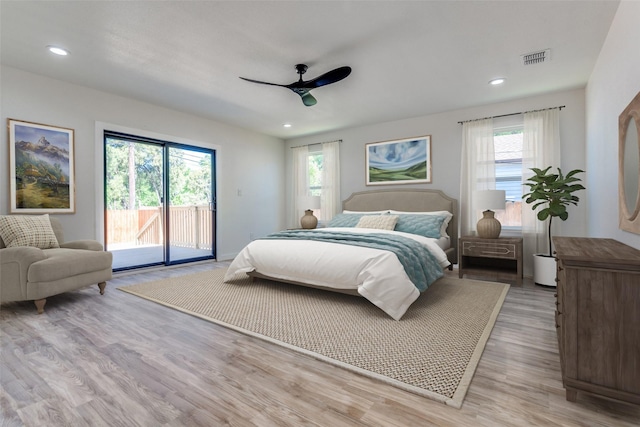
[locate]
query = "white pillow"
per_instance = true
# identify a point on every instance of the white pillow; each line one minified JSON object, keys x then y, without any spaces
{"x":379,"y":222}
{"x":27,"y":230}
{"x":443,"y":230}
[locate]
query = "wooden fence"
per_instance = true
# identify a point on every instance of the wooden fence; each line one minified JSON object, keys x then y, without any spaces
{"x":512,"y":215}
{"x":191,"y":226}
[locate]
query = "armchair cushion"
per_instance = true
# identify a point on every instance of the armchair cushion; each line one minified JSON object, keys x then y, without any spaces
{"x":26,"y":230}
{"x":66,"y":263}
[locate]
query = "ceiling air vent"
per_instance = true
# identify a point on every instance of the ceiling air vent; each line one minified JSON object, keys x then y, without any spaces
{"x":536,"y":57}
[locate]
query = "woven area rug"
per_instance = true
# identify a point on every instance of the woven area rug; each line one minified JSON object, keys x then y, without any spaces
{"x":432,"y":351}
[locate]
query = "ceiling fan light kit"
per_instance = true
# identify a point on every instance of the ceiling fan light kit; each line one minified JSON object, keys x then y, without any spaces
{"x":303,"y":88}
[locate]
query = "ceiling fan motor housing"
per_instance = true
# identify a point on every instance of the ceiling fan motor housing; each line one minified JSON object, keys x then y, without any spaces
{"x":301,"y":69}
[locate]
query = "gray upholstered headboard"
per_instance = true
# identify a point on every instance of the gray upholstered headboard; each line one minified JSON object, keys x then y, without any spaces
{"x":410,"y":200}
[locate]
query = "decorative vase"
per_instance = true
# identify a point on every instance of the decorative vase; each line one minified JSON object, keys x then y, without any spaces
{"x":488,"y":227}
{"x":308,"y":220}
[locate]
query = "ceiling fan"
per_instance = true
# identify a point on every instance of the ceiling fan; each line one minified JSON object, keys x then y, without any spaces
{"x":302,"y":88}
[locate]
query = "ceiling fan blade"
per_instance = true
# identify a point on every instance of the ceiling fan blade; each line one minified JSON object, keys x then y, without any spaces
{"x":308,"y":99}
{"x":327,"y":78}
{"x":263,"y":83}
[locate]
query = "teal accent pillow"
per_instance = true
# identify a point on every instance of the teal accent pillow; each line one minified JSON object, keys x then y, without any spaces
{"x":345,"y":220}
{"x":422,"y":225}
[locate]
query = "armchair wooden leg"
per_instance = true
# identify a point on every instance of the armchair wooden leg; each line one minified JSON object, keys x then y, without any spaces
{"x":102,"y":285}
{"x":40,"y":305}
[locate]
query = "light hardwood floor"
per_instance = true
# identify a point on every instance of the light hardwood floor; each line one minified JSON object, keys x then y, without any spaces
{"x":119,"y":360}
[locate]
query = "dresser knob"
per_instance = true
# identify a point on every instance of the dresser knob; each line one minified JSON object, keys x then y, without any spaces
{"x":555,"y":295}
{"x":560,"y":268}
{"x":556,"y":279}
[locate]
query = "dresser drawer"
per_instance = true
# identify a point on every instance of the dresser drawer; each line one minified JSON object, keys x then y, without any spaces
{"x":490,"y":250}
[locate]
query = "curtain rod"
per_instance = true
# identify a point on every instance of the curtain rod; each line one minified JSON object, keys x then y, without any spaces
{"x":317,"y":143}
{"x":514,"y":114}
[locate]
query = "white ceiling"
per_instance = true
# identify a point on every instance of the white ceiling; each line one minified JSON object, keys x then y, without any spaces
{"x":409,"y":58}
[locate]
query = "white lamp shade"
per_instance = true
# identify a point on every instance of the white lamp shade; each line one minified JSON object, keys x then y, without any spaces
{"x":310,"y":202}
{"x":490,"y":200}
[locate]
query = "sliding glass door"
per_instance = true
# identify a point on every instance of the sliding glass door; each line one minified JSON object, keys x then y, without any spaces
{"x":190,"y":204}
{"x":159,"y":202}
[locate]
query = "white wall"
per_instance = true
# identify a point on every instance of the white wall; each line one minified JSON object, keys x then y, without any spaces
{"x":613,"y":84}
{"x":446,"y":135}
{"x":246,"y":161}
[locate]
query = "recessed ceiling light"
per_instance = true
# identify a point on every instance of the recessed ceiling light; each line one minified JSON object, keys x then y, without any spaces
{"x":287,"y":125}
{"x":497,"y":81}
{"x":58,"y":50}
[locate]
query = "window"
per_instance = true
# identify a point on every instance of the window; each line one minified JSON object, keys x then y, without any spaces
{"x":315,"y":173}
{"x":507,"y":143}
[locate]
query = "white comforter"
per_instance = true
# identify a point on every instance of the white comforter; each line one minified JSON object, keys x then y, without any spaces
{"x":376,"y":274}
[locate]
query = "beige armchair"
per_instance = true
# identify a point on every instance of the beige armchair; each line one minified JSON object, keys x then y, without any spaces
{"x":29,"y":273}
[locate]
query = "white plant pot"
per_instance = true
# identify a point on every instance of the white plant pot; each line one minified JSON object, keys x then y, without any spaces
{"x":544,"y":270}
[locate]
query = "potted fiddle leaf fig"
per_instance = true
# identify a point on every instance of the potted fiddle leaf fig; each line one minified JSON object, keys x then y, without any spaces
{"x":554,"y":192}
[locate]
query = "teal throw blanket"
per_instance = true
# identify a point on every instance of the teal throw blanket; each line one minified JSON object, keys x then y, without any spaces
{"x":419,"y":263}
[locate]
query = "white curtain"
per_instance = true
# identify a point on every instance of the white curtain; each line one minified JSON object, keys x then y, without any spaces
{"x":330,"y":202}
{"x":300,"y":167}
{"x":477,"y":170}
{"x":540,"y":149}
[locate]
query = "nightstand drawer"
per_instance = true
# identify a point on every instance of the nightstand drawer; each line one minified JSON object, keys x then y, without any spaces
{"x":490,"y":250}
{"x":498,"y":259}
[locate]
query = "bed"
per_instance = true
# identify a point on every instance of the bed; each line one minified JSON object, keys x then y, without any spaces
{"x":414,"y":238}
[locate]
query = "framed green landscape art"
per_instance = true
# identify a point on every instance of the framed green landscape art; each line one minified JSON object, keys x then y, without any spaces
{"x":401,"y":161}
{"x":41,"y":168}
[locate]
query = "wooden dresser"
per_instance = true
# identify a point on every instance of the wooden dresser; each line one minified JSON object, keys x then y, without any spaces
{"x":598,"y":317}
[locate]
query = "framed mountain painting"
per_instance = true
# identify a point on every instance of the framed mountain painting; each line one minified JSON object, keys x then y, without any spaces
{"x":41,"y":168}
{"x":401,"y":161}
